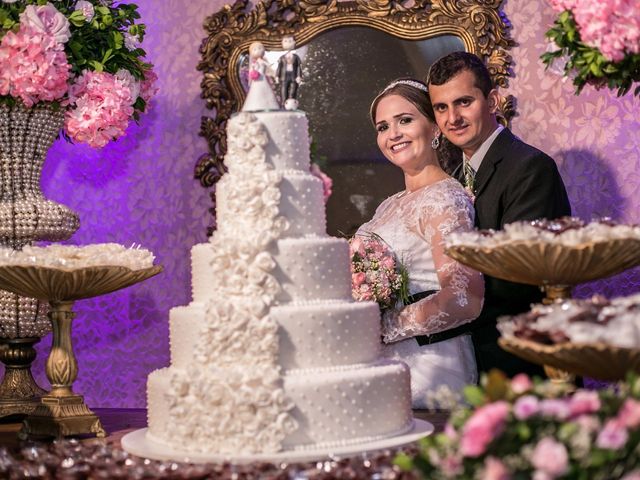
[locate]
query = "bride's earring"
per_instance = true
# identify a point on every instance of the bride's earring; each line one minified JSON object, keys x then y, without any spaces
{"x":435,"y":143}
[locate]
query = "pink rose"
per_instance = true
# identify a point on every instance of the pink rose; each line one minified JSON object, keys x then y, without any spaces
{"x":358,"y":278}
{"x":555,"y":407}
{"x":550,"y":458}
{"x":388,"y":262}
{"x":521,"y":383}
{"x":494,"y":469}
{"x":584,"y":401}
{"x":254,"y":75}
{"x":486,"y":423}
{"x":86,"y":8}
{"x":357,"y":245}
{"x":451,"y":466}
{"x":613,"y":436}
{"x":635,"y":475}
{"x":629,"y":414}
{"x":525,"y":407}
{"x":47,"y":19}
{"x":588,"y":423}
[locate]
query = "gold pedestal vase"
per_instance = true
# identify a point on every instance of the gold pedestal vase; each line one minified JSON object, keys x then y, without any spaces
{"x":62,"y":412}
{"x":26,"y":134}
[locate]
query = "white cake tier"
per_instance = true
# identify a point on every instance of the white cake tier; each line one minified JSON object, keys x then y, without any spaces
{"x":288,"y":147}
{"x":202,"y":275}
{"x":327,"y":334}
{"x":333,"y":407}
{"x":158,"y":383}
{"x":185,"y":325}
{"x":313,"y":268}
{"x":313,"y":335}
{"x":344,"y":406}
{"x":301,"y":203}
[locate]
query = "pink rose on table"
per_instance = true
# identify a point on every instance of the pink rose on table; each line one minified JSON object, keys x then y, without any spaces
{"x":613,"y":436}
{"x":47,"y":19}
{"x":494,"y":469}
{"x":583,"y":402}
{"x":550,"y":458}
{"x":526,"y":407}
{"x":521,"y":383}
{"x":629,"y":414}
{"x":485,"y":424}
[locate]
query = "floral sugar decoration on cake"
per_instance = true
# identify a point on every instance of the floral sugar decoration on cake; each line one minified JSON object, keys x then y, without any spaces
{"x":74,"y":257}
{"x":614,"y":322}
{"x":568,"y":231}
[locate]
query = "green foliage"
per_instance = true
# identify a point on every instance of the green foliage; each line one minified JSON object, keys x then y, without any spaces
{"x":585,"y":64}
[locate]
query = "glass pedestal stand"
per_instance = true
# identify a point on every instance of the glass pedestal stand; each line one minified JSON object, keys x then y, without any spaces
{"x":19,"y":393}
{"x":61,"y":412}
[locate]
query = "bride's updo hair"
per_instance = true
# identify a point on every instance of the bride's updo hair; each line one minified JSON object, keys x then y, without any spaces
{"x":416,"y":92}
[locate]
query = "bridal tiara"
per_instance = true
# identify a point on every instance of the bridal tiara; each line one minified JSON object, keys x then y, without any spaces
{"x":411,"y":83}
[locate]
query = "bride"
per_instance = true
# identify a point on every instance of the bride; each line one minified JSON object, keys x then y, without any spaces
{"x":429,"y":333}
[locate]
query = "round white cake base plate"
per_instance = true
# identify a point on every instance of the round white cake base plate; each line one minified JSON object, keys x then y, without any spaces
{"x":137,"y":443}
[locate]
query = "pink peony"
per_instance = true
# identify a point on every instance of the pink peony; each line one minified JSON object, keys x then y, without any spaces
{"x":526,"y":407}
{"x":582,"y":402}
{"x":486,"y":423}
{"x":629,"y":414}
{"x":33,"y":66}
{"x":101,"y":109}
{"x":550,"y":458}
{"x":46,"y":19}
{"x":613,"y":436}
{"x":494,"y":469}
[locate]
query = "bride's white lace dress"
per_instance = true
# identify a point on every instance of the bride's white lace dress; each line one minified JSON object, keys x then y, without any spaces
{"x":414,"y":225}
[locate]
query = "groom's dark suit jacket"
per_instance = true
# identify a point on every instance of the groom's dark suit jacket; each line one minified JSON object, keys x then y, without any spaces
{"x":515,"y":182}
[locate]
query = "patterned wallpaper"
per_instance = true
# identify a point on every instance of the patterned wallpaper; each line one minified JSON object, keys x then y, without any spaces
{"x":141,"y":189}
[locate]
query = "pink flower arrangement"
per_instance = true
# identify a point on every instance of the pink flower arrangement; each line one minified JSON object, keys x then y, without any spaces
{"x":599,"y":41}
{"x":99,"y":82}
{"x":542,"y":432}
{"x":34,"y":66}
{"x":376,"y":275}
{"x":101,"y":107}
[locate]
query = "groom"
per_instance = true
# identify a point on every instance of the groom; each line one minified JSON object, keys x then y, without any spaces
{"x":510,"y":180}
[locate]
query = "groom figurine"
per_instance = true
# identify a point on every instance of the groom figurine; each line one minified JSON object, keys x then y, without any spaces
{"x":510,"y":180}
{"x":289,"y":74}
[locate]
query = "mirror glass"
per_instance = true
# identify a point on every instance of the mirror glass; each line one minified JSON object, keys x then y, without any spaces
{"x":343,"y":70}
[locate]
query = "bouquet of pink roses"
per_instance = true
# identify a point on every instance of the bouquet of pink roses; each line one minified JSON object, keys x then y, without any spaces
{"x":524,"y":429}
{"x":376,"y":274}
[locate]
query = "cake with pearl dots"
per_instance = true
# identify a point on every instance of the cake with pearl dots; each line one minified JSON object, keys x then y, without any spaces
{"x":273,"y":354}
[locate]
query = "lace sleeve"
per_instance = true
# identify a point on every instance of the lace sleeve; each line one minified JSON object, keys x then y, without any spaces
{"x":460,"y":297}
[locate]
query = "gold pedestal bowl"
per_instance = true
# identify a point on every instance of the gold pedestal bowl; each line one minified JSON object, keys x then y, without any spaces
{"x":554,"y":267}
{"x":61,"y":412}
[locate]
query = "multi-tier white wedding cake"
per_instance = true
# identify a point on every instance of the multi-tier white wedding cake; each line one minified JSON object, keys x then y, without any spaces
{"x":273,"y":354}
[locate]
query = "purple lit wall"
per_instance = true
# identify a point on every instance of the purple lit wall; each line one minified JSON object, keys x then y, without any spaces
{"x":141,"y":188}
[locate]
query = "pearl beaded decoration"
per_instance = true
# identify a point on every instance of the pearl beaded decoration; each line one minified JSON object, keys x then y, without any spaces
{"x":25,"y":215}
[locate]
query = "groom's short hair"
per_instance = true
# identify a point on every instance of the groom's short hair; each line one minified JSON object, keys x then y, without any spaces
{"x":447,"y":67}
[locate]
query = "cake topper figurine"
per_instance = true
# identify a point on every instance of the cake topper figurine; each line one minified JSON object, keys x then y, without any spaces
{"x":260,"y":96}
{"x":289,"y":74}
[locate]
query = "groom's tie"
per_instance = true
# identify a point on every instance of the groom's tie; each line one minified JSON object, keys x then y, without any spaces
{"x":469,"y":174}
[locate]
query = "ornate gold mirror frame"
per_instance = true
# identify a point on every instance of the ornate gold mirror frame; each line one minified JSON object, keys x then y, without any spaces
{"x":481,"y":26}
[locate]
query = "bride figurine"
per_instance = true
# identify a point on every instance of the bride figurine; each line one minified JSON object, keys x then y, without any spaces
{"x":260,"y":96}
